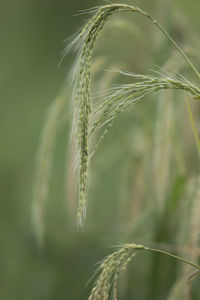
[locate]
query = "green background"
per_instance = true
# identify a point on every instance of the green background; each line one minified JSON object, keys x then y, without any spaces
{"x":31,"y":34}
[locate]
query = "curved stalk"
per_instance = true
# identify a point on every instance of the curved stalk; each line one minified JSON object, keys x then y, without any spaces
{"x":174,"y":256}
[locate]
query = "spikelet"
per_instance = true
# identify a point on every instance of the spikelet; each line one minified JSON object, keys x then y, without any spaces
{"x":123,"y":97}
{"x":112,"y":267}
{"x":84,"y":44}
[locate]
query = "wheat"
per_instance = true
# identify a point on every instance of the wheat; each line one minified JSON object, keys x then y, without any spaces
{"x":123,"y":97}
{"x":114,"y":265}
{"x":90,"y":118}
{"x":84,"y":45}
{"x":44,"y":163}
{"x":111,"y":269}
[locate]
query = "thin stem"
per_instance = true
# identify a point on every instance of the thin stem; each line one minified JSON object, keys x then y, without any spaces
{"x":174,"y":256}
{"x":177,"y":47}
{"x":170,"y":39}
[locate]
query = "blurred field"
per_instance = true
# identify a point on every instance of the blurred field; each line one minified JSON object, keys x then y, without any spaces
{"x":138,"y":194}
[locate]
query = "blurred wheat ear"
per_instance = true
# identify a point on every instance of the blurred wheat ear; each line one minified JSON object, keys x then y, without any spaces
{"x":193,"y":222}
{"x":44,"y":163}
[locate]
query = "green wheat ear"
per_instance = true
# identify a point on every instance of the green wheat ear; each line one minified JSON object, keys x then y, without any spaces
{"x":84,"y":45}
{"x":114,"y":265}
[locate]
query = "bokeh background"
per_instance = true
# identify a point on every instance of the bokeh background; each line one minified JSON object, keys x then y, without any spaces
{"x":130,"y":199}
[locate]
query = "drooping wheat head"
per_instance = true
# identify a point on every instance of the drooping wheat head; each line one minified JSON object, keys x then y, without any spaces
{"x":114,"y":265}
{"x":84,"y":45}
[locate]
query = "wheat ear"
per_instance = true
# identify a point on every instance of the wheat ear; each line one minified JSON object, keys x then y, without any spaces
{"x":114,"y":265}
{"x":84,"y":44}
{"x":44,"y":163}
